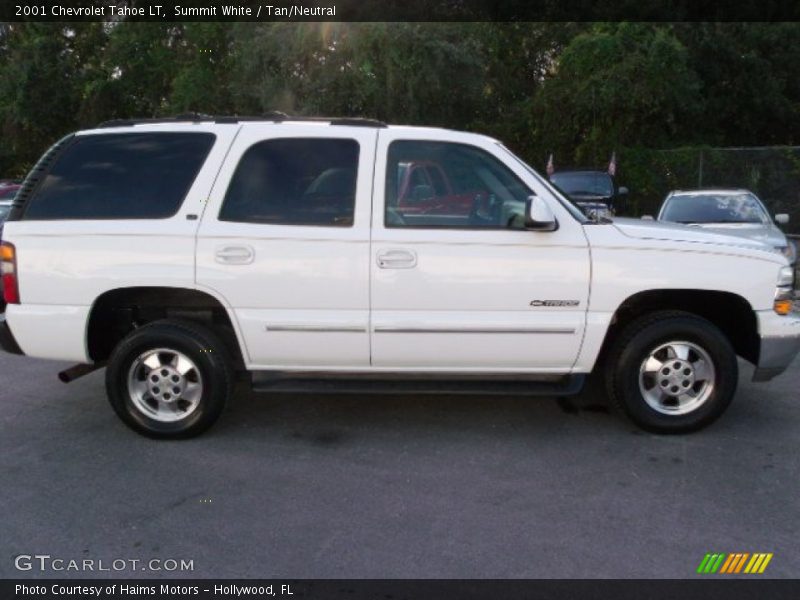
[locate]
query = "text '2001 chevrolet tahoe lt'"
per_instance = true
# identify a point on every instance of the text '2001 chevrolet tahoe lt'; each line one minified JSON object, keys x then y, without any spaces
{"x":180,"y":254}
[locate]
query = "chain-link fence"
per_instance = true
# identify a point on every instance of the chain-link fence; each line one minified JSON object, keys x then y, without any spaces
{"x":773,"y":173}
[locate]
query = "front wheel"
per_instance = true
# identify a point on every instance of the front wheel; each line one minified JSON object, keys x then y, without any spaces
{"x":672,"y":372}
{"x":169,"y":379}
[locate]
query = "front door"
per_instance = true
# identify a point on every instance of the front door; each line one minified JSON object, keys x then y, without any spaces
{"x":284,"y":241}
{"x":471,"y":290}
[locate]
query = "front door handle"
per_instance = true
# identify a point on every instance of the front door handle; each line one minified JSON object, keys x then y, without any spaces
{"x":235,"y":255}
{"x":397,"y":259}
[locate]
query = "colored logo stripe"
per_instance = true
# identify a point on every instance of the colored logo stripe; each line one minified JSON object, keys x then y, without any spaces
{"x":727,"y":564}
{"x":735,"y":562}
{"x":758,"y":563}
{"x":710,"y":563}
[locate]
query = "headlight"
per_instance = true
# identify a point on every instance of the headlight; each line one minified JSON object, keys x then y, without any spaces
{"x":784,"y":292}
{"x":789,"y":251}
{"x":786,"y":277}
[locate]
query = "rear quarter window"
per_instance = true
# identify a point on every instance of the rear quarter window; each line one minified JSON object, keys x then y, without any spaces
{"x":120,"y":176}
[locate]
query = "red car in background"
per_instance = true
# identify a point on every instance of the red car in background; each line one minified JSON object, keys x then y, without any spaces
{"x":8,"y":191}
{"x":424,"y":189}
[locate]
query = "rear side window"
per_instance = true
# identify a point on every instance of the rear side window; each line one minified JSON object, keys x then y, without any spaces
{"x":121,"y":176}
{"x":296,"y":181}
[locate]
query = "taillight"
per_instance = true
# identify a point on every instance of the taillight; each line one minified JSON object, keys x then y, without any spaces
{"x":8,"y":268}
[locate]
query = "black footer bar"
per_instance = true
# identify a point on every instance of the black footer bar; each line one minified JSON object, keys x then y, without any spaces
{"x":403,"y":589}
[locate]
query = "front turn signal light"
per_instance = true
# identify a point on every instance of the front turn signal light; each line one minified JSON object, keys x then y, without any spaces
{"x":783,"y":307}
{"x":784,"y":300}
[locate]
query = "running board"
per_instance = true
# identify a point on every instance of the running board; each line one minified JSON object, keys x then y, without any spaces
{"x":269,"y":381}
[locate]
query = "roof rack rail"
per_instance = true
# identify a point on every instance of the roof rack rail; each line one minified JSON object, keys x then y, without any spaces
{"x":273,"y":116}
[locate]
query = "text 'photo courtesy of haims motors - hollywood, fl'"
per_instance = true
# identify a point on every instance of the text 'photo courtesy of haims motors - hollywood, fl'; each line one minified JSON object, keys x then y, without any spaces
{"x":359,"y":299}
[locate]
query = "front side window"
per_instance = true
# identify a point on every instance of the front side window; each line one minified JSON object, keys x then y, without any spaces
{"x":294,"y":181}
{"x":443,"y":184}
{"x":121,"y":176}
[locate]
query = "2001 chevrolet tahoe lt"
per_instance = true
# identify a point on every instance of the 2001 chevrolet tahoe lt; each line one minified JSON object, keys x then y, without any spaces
{"x":179,"y":252}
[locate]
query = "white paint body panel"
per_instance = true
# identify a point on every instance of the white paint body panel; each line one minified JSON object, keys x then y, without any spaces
{"x":669,"y":258}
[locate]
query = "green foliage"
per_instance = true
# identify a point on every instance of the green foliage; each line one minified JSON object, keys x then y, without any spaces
{"x":203,"y":61}
{"x":750,"y":83}
{"x":39,"y":77}
{"x":404,"y":72}
{"x":617,"y":85}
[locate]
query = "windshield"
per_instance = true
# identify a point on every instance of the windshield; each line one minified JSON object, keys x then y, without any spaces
{"x":714,"y":208}
{"x":559,"y":195}
{"x":584,"y":183}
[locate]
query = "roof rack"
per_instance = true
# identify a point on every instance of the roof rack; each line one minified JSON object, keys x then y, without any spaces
{"x":273,"y":116}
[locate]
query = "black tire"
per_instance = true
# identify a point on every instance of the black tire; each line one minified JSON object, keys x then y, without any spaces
{"x":636,"y":343}
{"x":212,"y":369}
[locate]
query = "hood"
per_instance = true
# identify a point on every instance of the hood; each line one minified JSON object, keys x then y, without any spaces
{"x":584,"y":198}
{"x":767,"y":234}
{"x":673,"y":232}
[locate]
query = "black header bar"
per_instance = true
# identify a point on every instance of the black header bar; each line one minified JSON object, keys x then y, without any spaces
{"x":397,"y":10}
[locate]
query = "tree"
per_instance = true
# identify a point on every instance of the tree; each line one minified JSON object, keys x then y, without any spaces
{"x":201,"y":77}
{"x":38,"y":96}
{"x":750,"y":83}
{"x":402,"y":72}
{"x":618,"y":85}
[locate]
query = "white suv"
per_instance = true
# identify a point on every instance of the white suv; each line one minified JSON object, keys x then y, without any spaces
{"x":179,"y":252}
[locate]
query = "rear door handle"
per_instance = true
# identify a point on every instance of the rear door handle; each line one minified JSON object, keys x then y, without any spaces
{"x":397,"y":259}
{"x":235,"y":255}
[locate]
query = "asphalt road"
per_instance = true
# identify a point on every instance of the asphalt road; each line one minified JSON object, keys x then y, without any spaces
{"x":392,"y":486}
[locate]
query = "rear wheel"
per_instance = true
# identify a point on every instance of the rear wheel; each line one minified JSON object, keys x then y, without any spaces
{"x":672,"y":372}
{"x":169,"y":379}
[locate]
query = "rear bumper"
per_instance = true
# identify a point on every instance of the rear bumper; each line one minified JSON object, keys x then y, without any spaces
{"x":780,"y":343}
{"x":7,"y":341}
{"x":50,"y":331}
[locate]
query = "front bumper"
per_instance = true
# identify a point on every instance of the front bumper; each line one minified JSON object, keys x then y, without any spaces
{"x":7,"y":341}
{"x":780,"y":343}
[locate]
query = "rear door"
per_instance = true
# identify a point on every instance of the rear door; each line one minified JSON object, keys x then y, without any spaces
{"x":285,"y":242}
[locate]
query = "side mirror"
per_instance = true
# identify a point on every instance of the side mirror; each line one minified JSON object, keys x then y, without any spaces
{"x":782,"y":219}
{"x":538,"y":215}
{"x":648,"y":218}
{"x":622,"y":191}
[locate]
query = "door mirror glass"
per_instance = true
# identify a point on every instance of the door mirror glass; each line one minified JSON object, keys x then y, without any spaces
{"x":782,"y":219}
{"x":538,"y":215}
{"x":623,"y":191}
